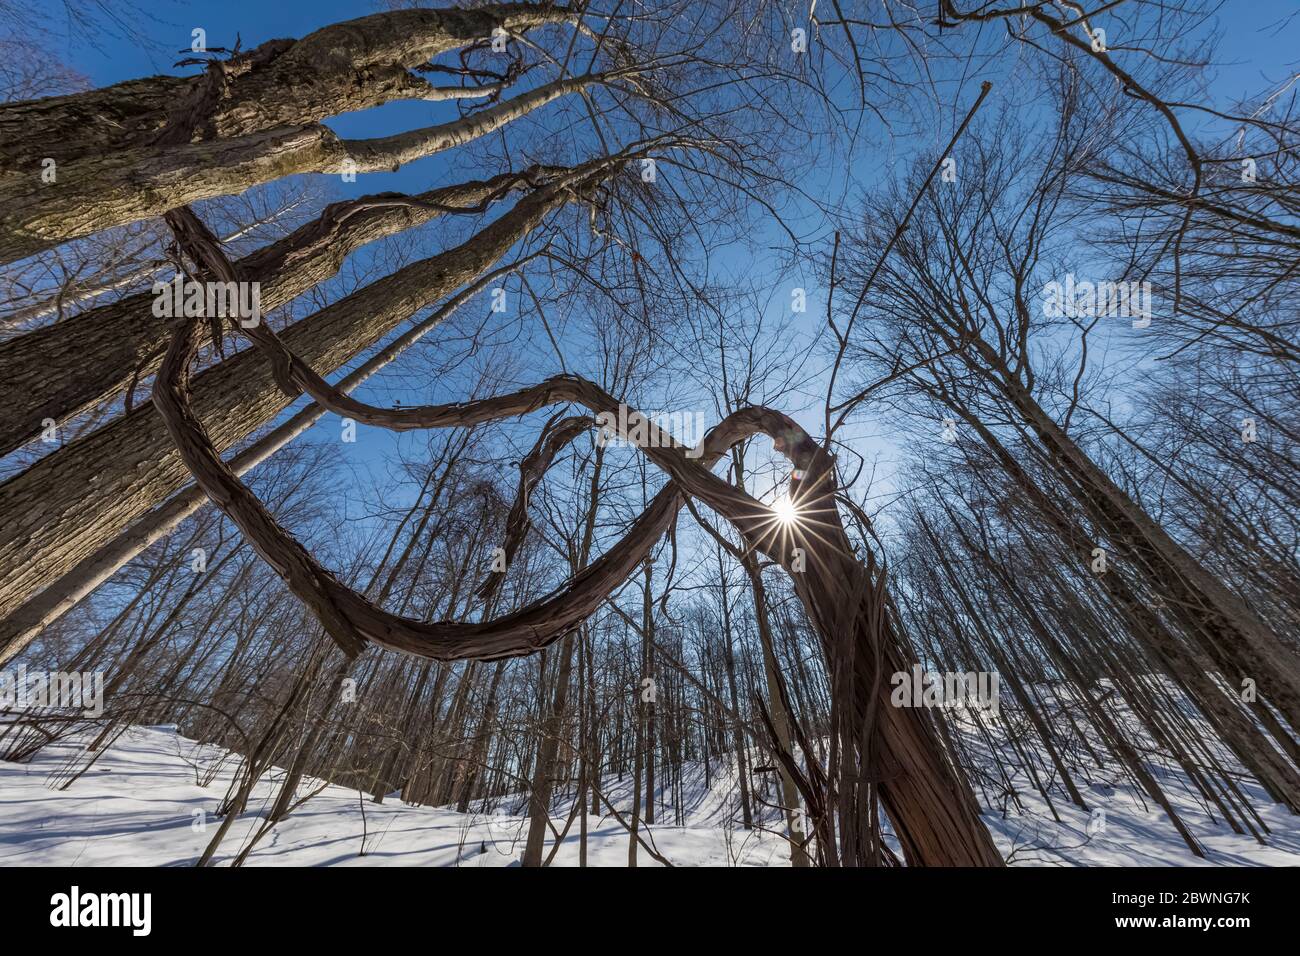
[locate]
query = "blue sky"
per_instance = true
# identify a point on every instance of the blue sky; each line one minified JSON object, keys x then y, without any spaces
{"x":1253,"y":55}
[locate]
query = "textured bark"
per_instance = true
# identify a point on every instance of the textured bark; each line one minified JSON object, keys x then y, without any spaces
{"x":933,"y":811}
{"x":62,"y":127}
{"x":63,"y":508}
{"x":44,"y":374}
{"x":21,"y":626}
{"x":113,"y":188}
{"x":100,"y":191}
{"x":338,"y":69}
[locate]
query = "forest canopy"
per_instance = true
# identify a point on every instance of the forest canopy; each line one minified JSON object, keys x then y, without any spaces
{"x":882,"y":415}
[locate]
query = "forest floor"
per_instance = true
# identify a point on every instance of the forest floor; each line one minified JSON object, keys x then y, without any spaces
{"x":151,"y":798}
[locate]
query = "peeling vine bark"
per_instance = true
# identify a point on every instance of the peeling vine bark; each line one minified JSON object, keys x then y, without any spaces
{"x":44,"y":373}
{"x":49,"y":520}
{"x":934,"y":813}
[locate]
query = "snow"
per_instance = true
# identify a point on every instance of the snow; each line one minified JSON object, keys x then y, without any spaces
{"x":137,"y":807}
{"x":145,"y":803}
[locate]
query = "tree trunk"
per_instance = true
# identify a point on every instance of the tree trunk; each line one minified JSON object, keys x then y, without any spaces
{"x":44,"y":373}
{"x":543,"y":774}
{"x":51,"y":518}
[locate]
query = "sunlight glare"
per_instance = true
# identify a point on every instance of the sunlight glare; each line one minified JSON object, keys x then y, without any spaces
{"x":786,"y":513}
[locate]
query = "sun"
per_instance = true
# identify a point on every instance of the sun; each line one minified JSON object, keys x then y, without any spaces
{"x":785,"y":511}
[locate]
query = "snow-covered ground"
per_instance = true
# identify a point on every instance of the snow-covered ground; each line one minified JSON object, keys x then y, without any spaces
{"x":143,"y":804}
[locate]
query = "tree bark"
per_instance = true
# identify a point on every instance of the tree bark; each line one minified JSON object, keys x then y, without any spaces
{"x":69,"y":503}
{"x":44,"y":373}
